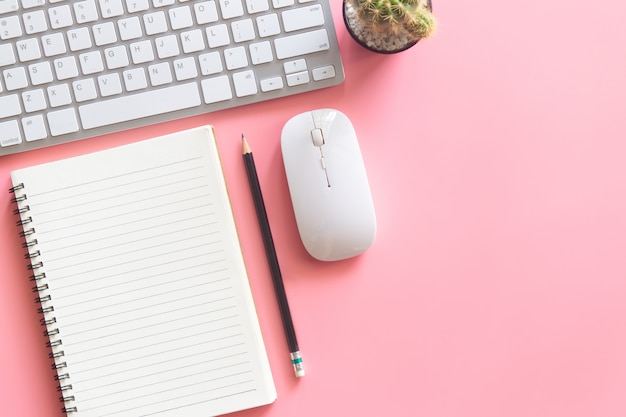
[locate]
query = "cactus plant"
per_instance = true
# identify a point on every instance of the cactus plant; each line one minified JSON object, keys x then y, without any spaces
{"x":389,"y":25}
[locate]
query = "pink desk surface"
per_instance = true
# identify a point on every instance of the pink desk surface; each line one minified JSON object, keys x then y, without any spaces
{"x":497,"y":282}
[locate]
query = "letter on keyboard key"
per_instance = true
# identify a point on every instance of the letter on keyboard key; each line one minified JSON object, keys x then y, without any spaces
{"x":149,"y":103}
{"x":9,"y":133}
{"x":302,"y":43}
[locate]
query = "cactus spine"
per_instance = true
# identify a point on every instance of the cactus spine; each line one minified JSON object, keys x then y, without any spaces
{"x":412,"y":16}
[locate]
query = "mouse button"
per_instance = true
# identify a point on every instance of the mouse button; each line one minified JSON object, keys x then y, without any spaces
{"x":324,"y":117}
{"x":318,"y":137}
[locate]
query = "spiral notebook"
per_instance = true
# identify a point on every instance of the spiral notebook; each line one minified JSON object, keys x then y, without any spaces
{"x":141,"y":281}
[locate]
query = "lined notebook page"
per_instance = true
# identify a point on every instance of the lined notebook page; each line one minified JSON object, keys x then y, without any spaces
{"x":147,"y":280}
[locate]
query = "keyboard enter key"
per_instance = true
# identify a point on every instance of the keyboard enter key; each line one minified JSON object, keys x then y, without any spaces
{"x":303,"y":18}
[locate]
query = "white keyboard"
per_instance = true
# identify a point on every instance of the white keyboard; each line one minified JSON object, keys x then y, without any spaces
{"x":77,"y":69}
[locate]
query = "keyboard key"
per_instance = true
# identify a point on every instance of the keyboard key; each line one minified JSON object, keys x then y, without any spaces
{"x":160,"y":74}
{"x":324,"y":73}
{"x":10,"y":133}
{"x":66,"y":68}
{"x":257,"y":6}
{"x":217,"y":35}
{"x":192,"y":41}
{"x":231,"y":8}
{"x":129,"y":28}
{"x":91,"y":62}
{"x":15,"y":78}
{"x":84,"y":90}
{"x":110,"y":84}
{"x":303,"y":18}
{"x":135,"y":79}
{"x":28,"y":49}
{"x":62,"y":122}
{"x":155,"y":23}
{"x":34,"y":128}
{"x":136,"y":106}
{"x":11,"y":27}
{"x":271,"y":84}
{"x":261,"y":52}
{"x":137,"y":5}
{"x":35,"y":22}
{"x":216,"y":89}
{"x":34,"y":100}
{"x":301,"y":44}
{"x":141,"y":52}
{"x":8,"y":6}
{"x":162,"y":3}
{"x":60,"y":16}
{"x":9,"y":106}
{"x":116,"y":57}
{"x":235,"y":58}
{"x":243,"y":30}
{"x":245,"y":83}
{"x":59,"y":95}
{"x":40,"y":73}
{"x":85,"y":11}
{"x":79,"y":39}
{"x":29,"y":4}
{"x":53,"y":44}
{"x":298,"y":78}
{"x":268,"y":25}
{"x":185,"y":69}
{"x":111,"y":8}
{"x":167,"y":46}
{"x":282,"y":3}
{"x":210,"y":63}
{"x":104,"y":33}
{"x":7,"y":57}
{"x":180,"y":17}
{"x":206,"y":12}
{"x":294,"y":66}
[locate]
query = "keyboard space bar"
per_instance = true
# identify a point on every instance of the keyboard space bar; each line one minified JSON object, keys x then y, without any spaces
{"x":136,"y":106}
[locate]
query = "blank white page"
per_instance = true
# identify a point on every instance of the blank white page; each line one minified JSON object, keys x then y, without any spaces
{"x":144,"y":271}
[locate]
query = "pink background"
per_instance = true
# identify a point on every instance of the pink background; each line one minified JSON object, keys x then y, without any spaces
{"x":496,"y":284}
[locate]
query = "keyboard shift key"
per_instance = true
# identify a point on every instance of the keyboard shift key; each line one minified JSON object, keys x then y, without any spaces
{"x":302,"y":44}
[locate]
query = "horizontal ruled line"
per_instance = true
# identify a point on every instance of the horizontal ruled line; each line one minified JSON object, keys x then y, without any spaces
{"x":126,"y":174}
{"x":101,"y":376}
{"x":64,"y":276}
{"x":142,"y":200}
{"x":130,"y":242}
{"x":134,"y":271}
{"x":126,"y":214}
{"x":201,"y":402}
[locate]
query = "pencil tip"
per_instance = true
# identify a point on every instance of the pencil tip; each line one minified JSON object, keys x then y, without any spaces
{"x":246,"y":147}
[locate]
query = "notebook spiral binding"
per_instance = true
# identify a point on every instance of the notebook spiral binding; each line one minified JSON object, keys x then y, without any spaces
{"x":44,"y":299}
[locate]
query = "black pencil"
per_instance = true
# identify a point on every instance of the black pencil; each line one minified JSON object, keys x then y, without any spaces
{"x":272,"y":259}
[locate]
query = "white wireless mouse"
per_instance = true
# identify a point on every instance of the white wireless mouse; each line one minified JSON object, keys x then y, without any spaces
{"x":328,"y":184}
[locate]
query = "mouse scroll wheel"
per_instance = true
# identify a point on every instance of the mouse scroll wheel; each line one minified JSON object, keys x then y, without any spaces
{"x":318,"y":137}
